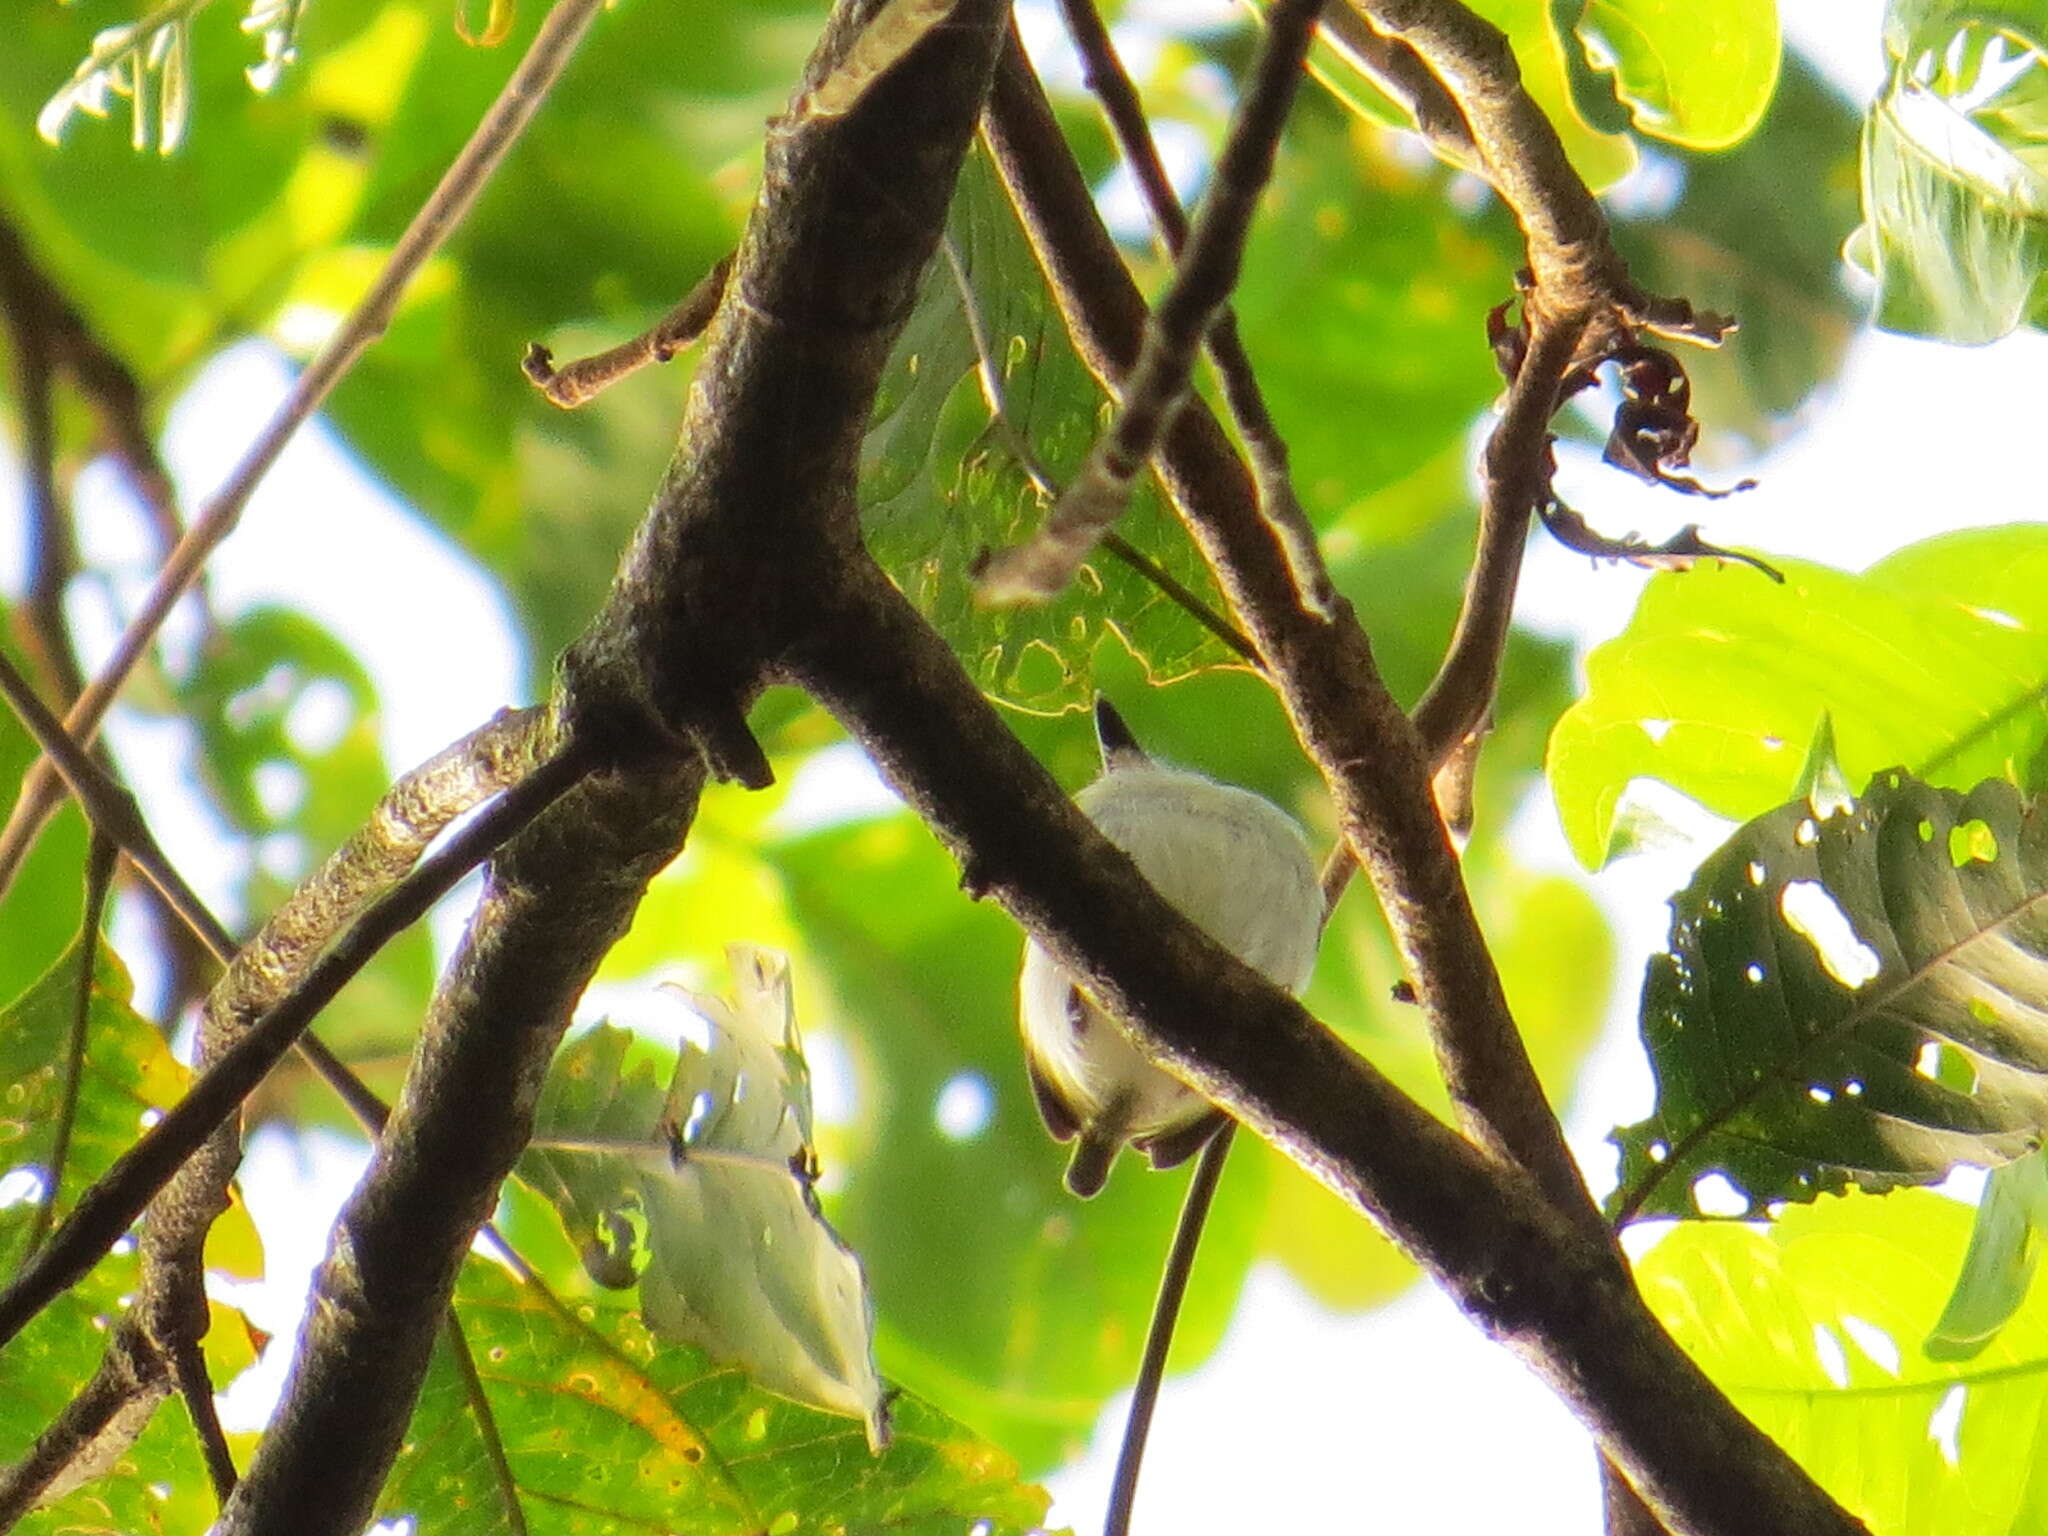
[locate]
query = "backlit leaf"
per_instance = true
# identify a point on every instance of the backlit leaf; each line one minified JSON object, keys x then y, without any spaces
{"x":1935,"y":658}
{"x":718,"y":1166}
{"x":1955,"y":171}
{"x":1694,"y":72}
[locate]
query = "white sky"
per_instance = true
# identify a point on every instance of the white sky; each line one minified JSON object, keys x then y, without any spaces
{"x":1404,"y":1420}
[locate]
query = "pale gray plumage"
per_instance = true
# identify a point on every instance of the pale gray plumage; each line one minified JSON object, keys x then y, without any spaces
{"x":1233,"y":863}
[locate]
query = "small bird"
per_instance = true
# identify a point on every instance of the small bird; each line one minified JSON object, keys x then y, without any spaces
{"x":1239,"y":868}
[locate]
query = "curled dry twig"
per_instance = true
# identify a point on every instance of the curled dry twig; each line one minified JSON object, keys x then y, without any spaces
{"x":573,"y":383}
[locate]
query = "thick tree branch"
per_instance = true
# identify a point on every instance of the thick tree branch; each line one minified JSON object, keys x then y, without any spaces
{"x":758,"y":508}
{"x":1365,"y":746}
{"x":1526,"y":1272}
{"x":444,"y":210}
{"x":1377,"y":768}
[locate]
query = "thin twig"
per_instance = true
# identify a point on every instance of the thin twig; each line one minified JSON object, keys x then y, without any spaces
{"x":1019,"y":447}
{"x":1173,"y":1285}
{"x":107,"y":383}
{"x":1201,"y":285}
{"x":113,"y":1203}
{"x":1513,"y":477}
{"x":110,"y":1408}
{"x":438,"y":218}
{"x":1104,"y":72}
{"x":187,"y":1361}
{"x":573,"y":383}
{"x":99,"y":876}
{"x":486,"y":1421}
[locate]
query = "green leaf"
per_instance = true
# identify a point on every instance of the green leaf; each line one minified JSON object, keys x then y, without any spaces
{"x":1600,"y":153}
{"x":604,"y":1430}
{"x":1810,"y":1327}
{"x":719,"y":1167}
{"x":939,"y":483}
{"x":1955,"y":171}
{"x":1935,"y":658}
{"x":128,"y":1074}
{"x":1698,"y":73}
{"x":1998,"y":1266}
{"x":1855,"y":997}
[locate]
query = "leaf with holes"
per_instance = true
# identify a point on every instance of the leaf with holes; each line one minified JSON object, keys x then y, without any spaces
{"x":1851,"y":998}
{"x":941,"y":481}
{"x":596,"y":1427}
{"x":718,"y":1168}
{"x":1935,"y":658}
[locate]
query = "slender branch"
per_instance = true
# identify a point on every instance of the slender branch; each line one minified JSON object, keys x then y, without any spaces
{"x":1158,"y":383}
{"x":990,"y":374}
{"x":99,"y":877}
{"x":107,"y":1209}
{"x":573,"y":383}
{"x":486,"y":1420}
{"x":1512,"y":478}
{"x":1103,"y":72}
{"x":1173,"y":1286}
{"x":1271,"y":475}
{"x":187,"y":1361}
{"x":495,"y":134}
{"x":1173,"y":1283}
